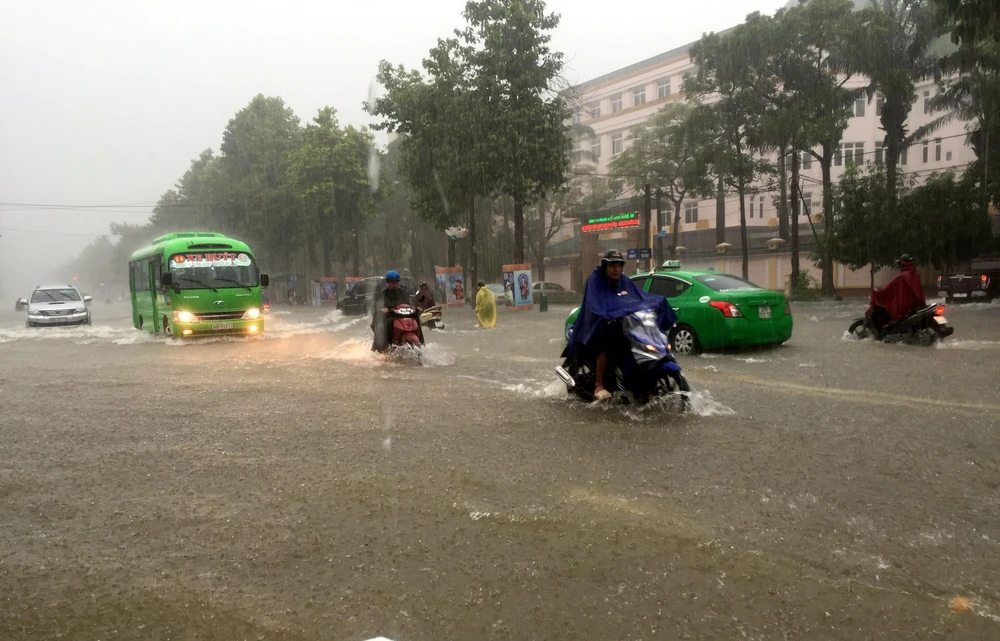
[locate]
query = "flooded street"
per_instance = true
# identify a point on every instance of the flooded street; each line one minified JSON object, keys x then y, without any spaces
{"x":296,"y":486}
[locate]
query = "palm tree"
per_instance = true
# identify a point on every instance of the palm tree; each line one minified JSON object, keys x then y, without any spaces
{"x":894,"y":52}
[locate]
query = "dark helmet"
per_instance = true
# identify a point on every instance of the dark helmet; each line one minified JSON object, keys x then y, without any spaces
{"x":423,"y":283}
{"x":613,"y":256}
{"x":904,"y":261}
{"x":391,"y":275}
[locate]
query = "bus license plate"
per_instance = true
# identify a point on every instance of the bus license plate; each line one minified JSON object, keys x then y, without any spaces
{"x":220,"y":326}
{"x":764,"y":311}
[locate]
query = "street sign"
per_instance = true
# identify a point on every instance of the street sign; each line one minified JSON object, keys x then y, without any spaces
{"x":645,"y":254}
{"x":639,"y":254}
{"x":661,"y":234}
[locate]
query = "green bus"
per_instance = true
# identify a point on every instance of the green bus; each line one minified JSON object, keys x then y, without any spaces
{"x":196,"y":284}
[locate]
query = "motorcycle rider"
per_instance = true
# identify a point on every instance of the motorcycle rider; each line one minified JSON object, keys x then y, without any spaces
{"x":607,"y":297}
{"x":386,"y":299}
{"x":424,"y":298}
{"x":903,"y":294}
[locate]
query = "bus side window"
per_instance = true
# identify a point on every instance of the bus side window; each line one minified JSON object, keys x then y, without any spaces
{"x":131,"y":275}
{"x":156,"y":266}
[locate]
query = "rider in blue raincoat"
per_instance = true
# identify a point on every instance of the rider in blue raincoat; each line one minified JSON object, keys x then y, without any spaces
{"x":608,"y":297}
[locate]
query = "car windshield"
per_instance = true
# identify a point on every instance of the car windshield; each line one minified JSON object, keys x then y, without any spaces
{"x":54,"y":295}
{"x":726,"y":283}
{"x":214,"y":271}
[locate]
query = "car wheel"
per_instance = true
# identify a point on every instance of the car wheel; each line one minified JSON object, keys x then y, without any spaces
{"x":684,"y":339}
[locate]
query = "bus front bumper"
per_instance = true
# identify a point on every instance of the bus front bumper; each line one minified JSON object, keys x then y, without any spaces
{"x":218,"y":328}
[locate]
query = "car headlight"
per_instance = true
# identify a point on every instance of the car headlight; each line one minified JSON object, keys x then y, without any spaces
{"x":185,"y":317}
{"x":81,"y":310}
{"x":252,"y":313}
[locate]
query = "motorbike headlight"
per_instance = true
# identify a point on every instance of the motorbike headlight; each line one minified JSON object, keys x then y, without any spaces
{"x":184,"y":317}
{"x":252,"y":314}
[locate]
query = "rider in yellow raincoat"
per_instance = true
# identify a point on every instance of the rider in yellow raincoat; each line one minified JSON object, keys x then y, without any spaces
{"x":486,"y":306}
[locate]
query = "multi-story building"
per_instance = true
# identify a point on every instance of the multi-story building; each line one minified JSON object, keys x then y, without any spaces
{"x":614,"y":104}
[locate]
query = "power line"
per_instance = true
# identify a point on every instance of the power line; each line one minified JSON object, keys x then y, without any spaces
{"x":51,"y":233}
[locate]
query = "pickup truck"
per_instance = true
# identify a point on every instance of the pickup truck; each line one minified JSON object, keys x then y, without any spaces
{"x":980,"y":282}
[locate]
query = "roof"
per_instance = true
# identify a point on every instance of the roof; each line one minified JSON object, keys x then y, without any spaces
{"x":187,"y":240}
{"x":56,"y":286}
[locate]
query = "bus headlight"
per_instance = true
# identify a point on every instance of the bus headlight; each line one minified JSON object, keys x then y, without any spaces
{"x":185,"y":317}
{"x":252,"y":313}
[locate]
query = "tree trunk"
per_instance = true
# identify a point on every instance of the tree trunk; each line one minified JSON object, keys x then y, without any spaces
{"x":473,"y":250}
{"x":518,"y":230}
{"x":673,"y":232}
{"x":649,"y":223}
{"x":826,"y":261}
{"x":451,"y":251}
{"x":743,"y":231}
{"x":783,"y":201}
{"x":795,"y":219}
{"x":720,"y":213}
{"x":872,"y":269}
{"x":891,"y":159}
{"x":356,"y":262}
{"x":540,"y":257}
{"x":659,"y":226}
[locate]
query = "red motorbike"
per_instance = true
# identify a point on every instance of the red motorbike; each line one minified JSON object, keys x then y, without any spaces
{"x":404,"y":335}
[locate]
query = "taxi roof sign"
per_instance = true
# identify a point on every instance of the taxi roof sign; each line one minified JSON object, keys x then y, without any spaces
{"x":671,"y":264}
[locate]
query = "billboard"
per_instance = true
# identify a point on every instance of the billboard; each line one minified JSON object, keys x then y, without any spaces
{"x":450,"y":285}
{"x":611,"y":222}
{"x":517,"y":280}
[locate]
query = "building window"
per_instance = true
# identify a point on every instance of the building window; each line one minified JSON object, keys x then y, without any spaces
{"x":925,"y":152}
{"x":616,"y":103}
{"x":760,"y":208}
{"x":807,"y":203}
{"x":639,"y":96}
{"x":927,"y":102}
{"x":576,"y":118}
{"x":948,"y":156}
{"x":902,"y":156}
{"x":691,"y":212}
{"x":879,"y":104}
{"x":595,"y":110}
{"x":859,"y":107}
{"x":852,"y":153}
{"x":595,"y":148}
{"x":807,"y":160}
{"x":752,"y":200}
{"x":879,"y":153}
{"x":617,"y":144}
{"x":937,"y":150}
{"x":663,"y":88}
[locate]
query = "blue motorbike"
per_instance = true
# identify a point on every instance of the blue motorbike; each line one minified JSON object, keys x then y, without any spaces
{"x":643,"y":367}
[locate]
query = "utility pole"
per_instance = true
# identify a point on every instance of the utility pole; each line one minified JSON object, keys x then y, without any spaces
{"x":659,"y":228}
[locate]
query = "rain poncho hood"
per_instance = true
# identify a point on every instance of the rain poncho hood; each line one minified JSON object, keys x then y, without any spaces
{"x":604,"y":300}
{"x":486,"y":307}
{"x":901,"y":295}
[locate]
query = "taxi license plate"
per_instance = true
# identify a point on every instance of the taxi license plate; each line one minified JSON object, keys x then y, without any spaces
{"x":764,"y":311}
{"x":220,"y":326}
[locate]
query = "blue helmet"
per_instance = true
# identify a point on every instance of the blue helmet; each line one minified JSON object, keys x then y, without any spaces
{"x":392,"y":274}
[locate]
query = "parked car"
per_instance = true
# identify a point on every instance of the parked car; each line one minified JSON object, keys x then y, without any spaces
{"x":555,"y":293}
{"x":503,"y":297}
{"x":53,"y":305}
{"x":980,"y":282}
{"x":358,"y":299}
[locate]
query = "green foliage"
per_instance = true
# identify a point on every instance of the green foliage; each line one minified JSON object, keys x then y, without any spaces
{"x":864,"y":229}
{"x":804,"y":288}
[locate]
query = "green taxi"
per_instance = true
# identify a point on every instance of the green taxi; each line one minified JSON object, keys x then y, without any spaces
{"x":716,"y":310}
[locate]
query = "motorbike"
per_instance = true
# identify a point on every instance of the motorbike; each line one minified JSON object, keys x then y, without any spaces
{"x":404,"y":332}
{"x":648,"y":371}
{"x":431,"y":318}
{"x":924,"y":325}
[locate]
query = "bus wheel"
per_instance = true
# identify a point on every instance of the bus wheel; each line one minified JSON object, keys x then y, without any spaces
{"x":167,"y":330}
{"x":140,"y":322}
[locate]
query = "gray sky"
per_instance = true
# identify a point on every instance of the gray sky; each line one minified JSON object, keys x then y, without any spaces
{"x":106,"y":102}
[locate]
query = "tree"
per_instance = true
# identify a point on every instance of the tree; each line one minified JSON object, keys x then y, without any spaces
{"x":443,"y":149}
{"x":584,"y":191}
{"x":945,"y":226}
{"x":863,"y":228}
{"x":671,"y":152}
{"x":730,"y":72}
{"x":895,"y":52}
{"x":523,"y":119}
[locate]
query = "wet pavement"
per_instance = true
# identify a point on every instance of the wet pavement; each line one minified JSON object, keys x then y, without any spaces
{"x":296,"y":486}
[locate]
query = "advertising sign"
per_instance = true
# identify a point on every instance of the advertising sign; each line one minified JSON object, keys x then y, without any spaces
{"x":329,"y":291}
{"x":223,"y":259}
{"x":611,"y":222}
{"x":450,"y":285}
{"x":518,"y":278}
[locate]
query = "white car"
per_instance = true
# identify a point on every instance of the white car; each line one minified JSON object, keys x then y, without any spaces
{"x":56,"y":305}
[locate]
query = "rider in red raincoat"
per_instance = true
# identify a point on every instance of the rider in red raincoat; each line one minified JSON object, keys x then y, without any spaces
{"x":900,"y":297}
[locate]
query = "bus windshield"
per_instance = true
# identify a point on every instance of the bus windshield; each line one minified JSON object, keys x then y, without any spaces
{"x":214,"y":270}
